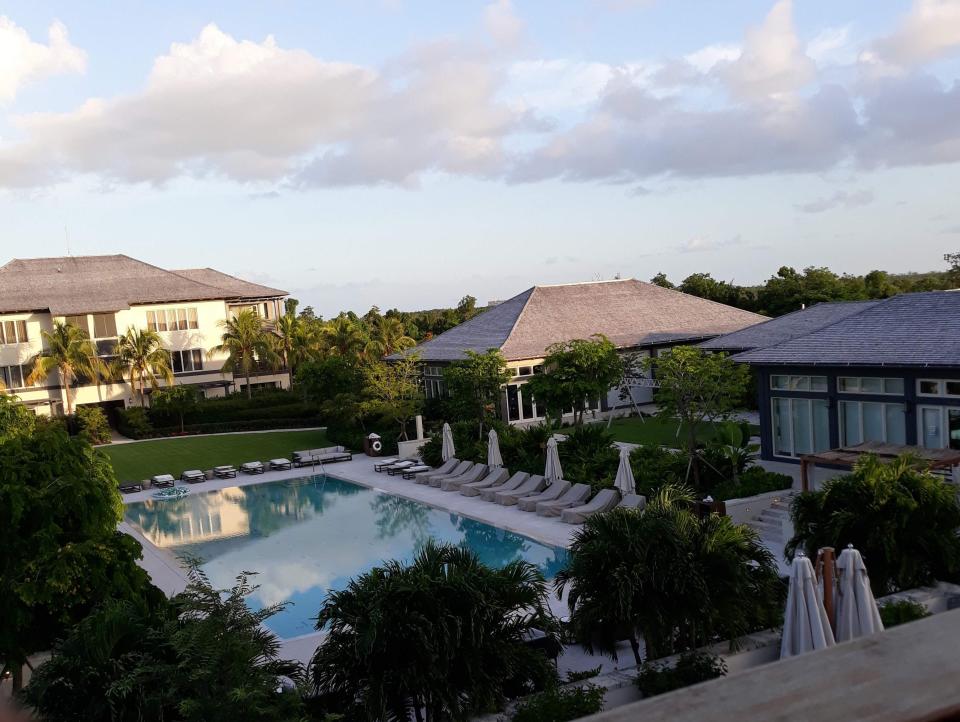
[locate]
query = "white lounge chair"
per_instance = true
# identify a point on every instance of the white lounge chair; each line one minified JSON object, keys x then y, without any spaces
{"x":534,"y":485}
{"x":411,"y":471}
{"x":460,"y":468}
{"x":551,"y":493}
{"x":193,"y":476}
{"x":476,"y":473}
{"x":574,"y":496}
{"x":398,"y":467}
{"x":253,"y":467}
{"x":225,"y":472}
{"x":514,"y":482}
{"x":280,"y":464}
{"x":381,"y":465}
{"x":445,"y":468}
{"x":161,"y":480}
{"x":604,"y":501}
{"x":496,"y":477}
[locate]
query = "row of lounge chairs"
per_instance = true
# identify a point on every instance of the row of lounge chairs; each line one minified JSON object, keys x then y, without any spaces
{"x":195,"y":476}
{"x":528,"y":492}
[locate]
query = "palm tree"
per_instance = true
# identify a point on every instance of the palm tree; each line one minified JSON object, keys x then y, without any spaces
{"x":142,"y":357}
{"x":344,"y":337}
{"x":70,"y":352}
{"x":665,"y":576}
{"x":246,"y":343}
{"x":389,"y":336}
{"x":298,"y":340}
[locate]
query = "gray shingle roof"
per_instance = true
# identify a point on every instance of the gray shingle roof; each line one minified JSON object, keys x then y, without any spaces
{"x":92,"y":284}
{"x":784,"y":328}
{"x":629,"y":312}
{"x":231,"y":284}
{"x":912,"y":329}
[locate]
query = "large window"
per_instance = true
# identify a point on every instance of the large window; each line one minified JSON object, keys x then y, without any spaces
{"x":938,"y":387}
{"x":14,"y":377}
{"x":870,"y":385}
{"x":800,"y":426}
{"x":104,"y":325}
{"x":939,"y":427}
{"x":784,"y":382}
{"x":78,"y":322}
{"x":13,"y":332}
{"x":172,"y":319}
{"x":862,"y":421}
{"x":187,"y":360}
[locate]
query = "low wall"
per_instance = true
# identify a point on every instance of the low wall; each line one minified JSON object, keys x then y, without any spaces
{"x":410,"y":449}
{"x":743,"y":510}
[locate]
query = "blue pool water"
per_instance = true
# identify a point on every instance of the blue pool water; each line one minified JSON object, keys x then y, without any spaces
{"x":307,"y":536}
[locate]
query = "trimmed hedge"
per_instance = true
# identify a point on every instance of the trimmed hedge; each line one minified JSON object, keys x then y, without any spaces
{"x":227,"y":427}
{"x":755,"y":480}
{"x":690,"y":668}
{"x":560,"y":704}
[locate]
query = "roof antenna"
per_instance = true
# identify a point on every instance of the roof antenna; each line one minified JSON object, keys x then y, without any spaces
{"x":66,"y":234}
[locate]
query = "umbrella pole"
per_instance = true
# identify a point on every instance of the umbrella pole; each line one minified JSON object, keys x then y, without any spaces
{"x":826,"y":568}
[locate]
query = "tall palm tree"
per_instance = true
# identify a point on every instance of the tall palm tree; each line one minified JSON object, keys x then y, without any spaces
{"x":344,"y":337}
{"x":298,"y":340}
{"x":142,"y":357}
{"x":70,"y":352}
{"x":389,"y":336}
{"x":246,"y":343}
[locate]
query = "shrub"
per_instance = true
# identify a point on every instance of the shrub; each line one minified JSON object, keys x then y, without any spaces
{"x":588,"y":456}
{"x":654,"y":466}
{"x":15,"y":418}
{"x":755,"y":480}
{"x":690,"y":668}
{"x":558,"y":704}
{"x":232,"y":426}
{"x":134,"y":423}
{"x":583,"y":674}
{"x":93,"y":425}
{"x":901,"y":612}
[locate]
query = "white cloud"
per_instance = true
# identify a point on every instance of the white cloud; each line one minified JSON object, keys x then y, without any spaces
{"x":701,"y":244}
{"x":502,"y":23}
{"x":23,"y":61}
{"x":931,"y":30}
{"x":831,"y":45}
{"x":839,"y":199}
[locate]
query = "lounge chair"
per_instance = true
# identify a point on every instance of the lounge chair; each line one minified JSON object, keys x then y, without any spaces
{"x":326,"y":455}
{"x":496,"y":477}
{"x":162,"y":480}
{"x":193,"y":476}
{"x":383,"y":464}
{"x":514,"y":482}
{"x":460,"y":468}
{"x":551,"y":493}
{"x":475,"y":474}
{"x":445,"y":468}
{"x":129,"y":487}
{"x":411,"y":471}
{"x":228,"y":471}
{"x":604,"y":501}
{"x":633,"y":501}
{"x":574,"y":496}
{"x":534,"y":485}
{"x":398,"y":468}
{"x":253,"y":467}
{"x":280,"y":464}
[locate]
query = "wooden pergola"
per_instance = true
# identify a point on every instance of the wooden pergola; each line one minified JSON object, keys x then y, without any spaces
{"x":848,"y":456}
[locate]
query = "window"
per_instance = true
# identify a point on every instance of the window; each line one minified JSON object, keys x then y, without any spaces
{"x":78,"y":322}
{"x":192,"y":318}
{"x":938,"y":387}
{"x":173,"y":319}
{"x":862,"y":421}
{"x":14,"y":377}
{"x":104,"y":325}
{"x":187,"y":360}
{"x":939,"y":427}
{"x":524,"y":371}
{"x":800,"y":426}
{"x":13,"y":332}
{"x":782,"y":382}
{"x":870,"y":385}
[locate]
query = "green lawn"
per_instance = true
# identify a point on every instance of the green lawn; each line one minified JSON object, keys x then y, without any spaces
{"x":651,"y":430}
{"x":144,"y":459}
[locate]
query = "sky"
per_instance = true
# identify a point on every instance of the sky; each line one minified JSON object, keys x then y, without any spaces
{"x":403,"y":154}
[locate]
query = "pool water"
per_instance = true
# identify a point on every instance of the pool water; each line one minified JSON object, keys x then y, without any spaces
{"x":307,"y":536}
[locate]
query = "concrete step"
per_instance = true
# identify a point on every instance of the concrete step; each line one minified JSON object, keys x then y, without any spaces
{"x":767,"y":530}
{"x":776,"y":515}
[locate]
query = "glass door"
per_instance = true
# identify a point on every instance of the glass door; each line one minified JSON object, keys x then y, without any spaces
{"x":931,"y":427}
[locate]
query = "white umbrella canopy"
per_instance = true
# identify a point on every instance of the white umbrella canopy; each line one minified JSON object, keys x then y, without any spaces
{"x":447,"y":451}
{"x":857,"y":613}
{"x":805,"y":623}
{"x":552,"y":472}
{"x":624,"y":481}
{"x":494,"y":460}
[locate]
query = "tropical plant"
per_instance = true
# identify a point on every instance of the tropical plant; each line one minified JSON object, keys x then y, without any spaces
{"x":177,"y":401}
{"x":439,"y":638}
{"x":15,"y":418}
{"x":558,"y":704}
{"x":475,"y":385}
{"x":903,"y":520}
{"x":298,"y":338}
{"x":755,"y":480}
{"x":142,"y":357}
{"x":667,"y":577}
{"x":247,"y":343}
{"x":388,"y":337}
{"x":654,"y":465}
{"x":589,"y":456}
{"x":394,"y":392}
{"x":69,"y":351}
{"x":689,"y":668}
{"x":575,"y":373}
{"x":732,"y":444}
{"x":901,"y":611}
{"x":323,"y":380}
{"x":93,"y":424}
{"x":344,"y":337}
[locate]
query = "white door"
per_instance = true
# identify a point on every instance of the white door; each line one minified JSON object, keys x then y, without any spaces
{"x":931,"y":427}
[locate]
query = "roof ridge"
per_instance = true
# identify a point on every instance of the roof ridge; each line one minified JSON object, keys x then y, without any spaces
{"x":582,"y":283}
{"x":708,"y":300}
{"x":532,"y":290}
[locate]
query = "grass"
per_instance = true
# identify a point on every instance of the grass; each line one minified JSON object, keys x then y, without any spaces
{"x":651,"y":430}
{"x":144,"y":459}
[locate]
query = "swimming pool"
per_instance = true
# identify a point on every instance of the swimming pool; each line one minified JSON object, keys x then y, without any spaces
{"x":307,"y":536}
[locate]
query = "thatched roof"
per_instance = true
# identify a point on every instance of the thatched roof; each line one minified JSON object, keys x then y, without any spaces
{"x":92,"y":284}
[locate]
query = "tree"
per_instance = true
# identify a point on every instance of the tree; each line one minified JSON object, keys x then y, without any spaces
{"x":954,"y":273}
{"x":903,"y":519}
{"x":576,"y":372}
{"x":394,"y":391}
{"x":661,"y":280}
{"x":177,"y":401}
{"x":70,"y":352}
{"x":327,"y":378}
{"x":669,"y":578}
{"x":696,"y":386}
{"x":298,"y":339}
{"x":344,"y":337}
{"x":475,"y":384}
{"x":15,"y":418}
{"x":247,"y":343}
{"x":142,"y":356}
{"x":62,"y":553}
{"x":439,"y":638}
{"x":388,"y":337}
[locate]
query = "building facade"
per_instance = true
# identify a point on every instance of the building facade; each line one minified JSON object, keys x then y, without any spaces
{"x":105,"y":296}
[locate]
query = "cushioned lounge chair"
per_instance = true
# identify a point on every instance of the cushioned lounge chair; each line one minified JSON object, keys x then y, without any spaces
{"x":551,"y":493}
{"x":325,"y":455}
{"x":445,"y":468}
{"x":225,"y":472}
{"x":162,"y":480}
{"x":129,"y":487}
{"x":411,"y":471}
{"x":460,"y":468}
{"x":495,"y":477}
{"x":476,"y":473}
{"x":253,"y":467}
{"x":193,"y":476}
{"x":604,"y":501}
{"x":381,"y":465}
{"x":514,"y":482}
{"x":534,"y":485}
{"x":399,"y":467}
{"x":633,"y":501}
{"x":280,"y":464}
{"x":574,"y":496}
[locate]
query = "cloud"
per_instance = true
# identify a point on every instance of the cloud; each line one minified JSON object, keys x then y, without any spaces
{"x":24,"y":61}
{"x":840,"y":199}
{"x":502,"y":23}
{"x":931,"y":30}
{"x":701,"y":244}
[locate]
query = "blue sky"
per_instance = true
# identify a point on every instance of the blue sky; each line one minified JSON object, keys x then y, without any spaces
{"x":405,"y":153}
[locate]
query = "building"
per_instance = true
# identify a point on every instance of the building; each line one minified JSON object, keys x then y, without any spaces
{"x":106,"y":295}
{"x":637,"y":317}
{"x":837,"y":375}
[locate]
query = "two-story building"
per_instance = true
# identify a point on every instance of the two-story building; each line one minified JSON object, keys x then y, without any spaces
{"x":106,"y":295}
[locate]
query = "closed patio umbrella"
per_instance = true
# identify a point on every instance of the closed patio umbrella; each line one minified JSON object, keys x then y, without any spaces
{"x":624,"y":481}
{"x":494,"y":460}
{"x":447,"y":451}
{"x":552,"y":472}
{"x":857,"y":613}
{"x":805,"y":623}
